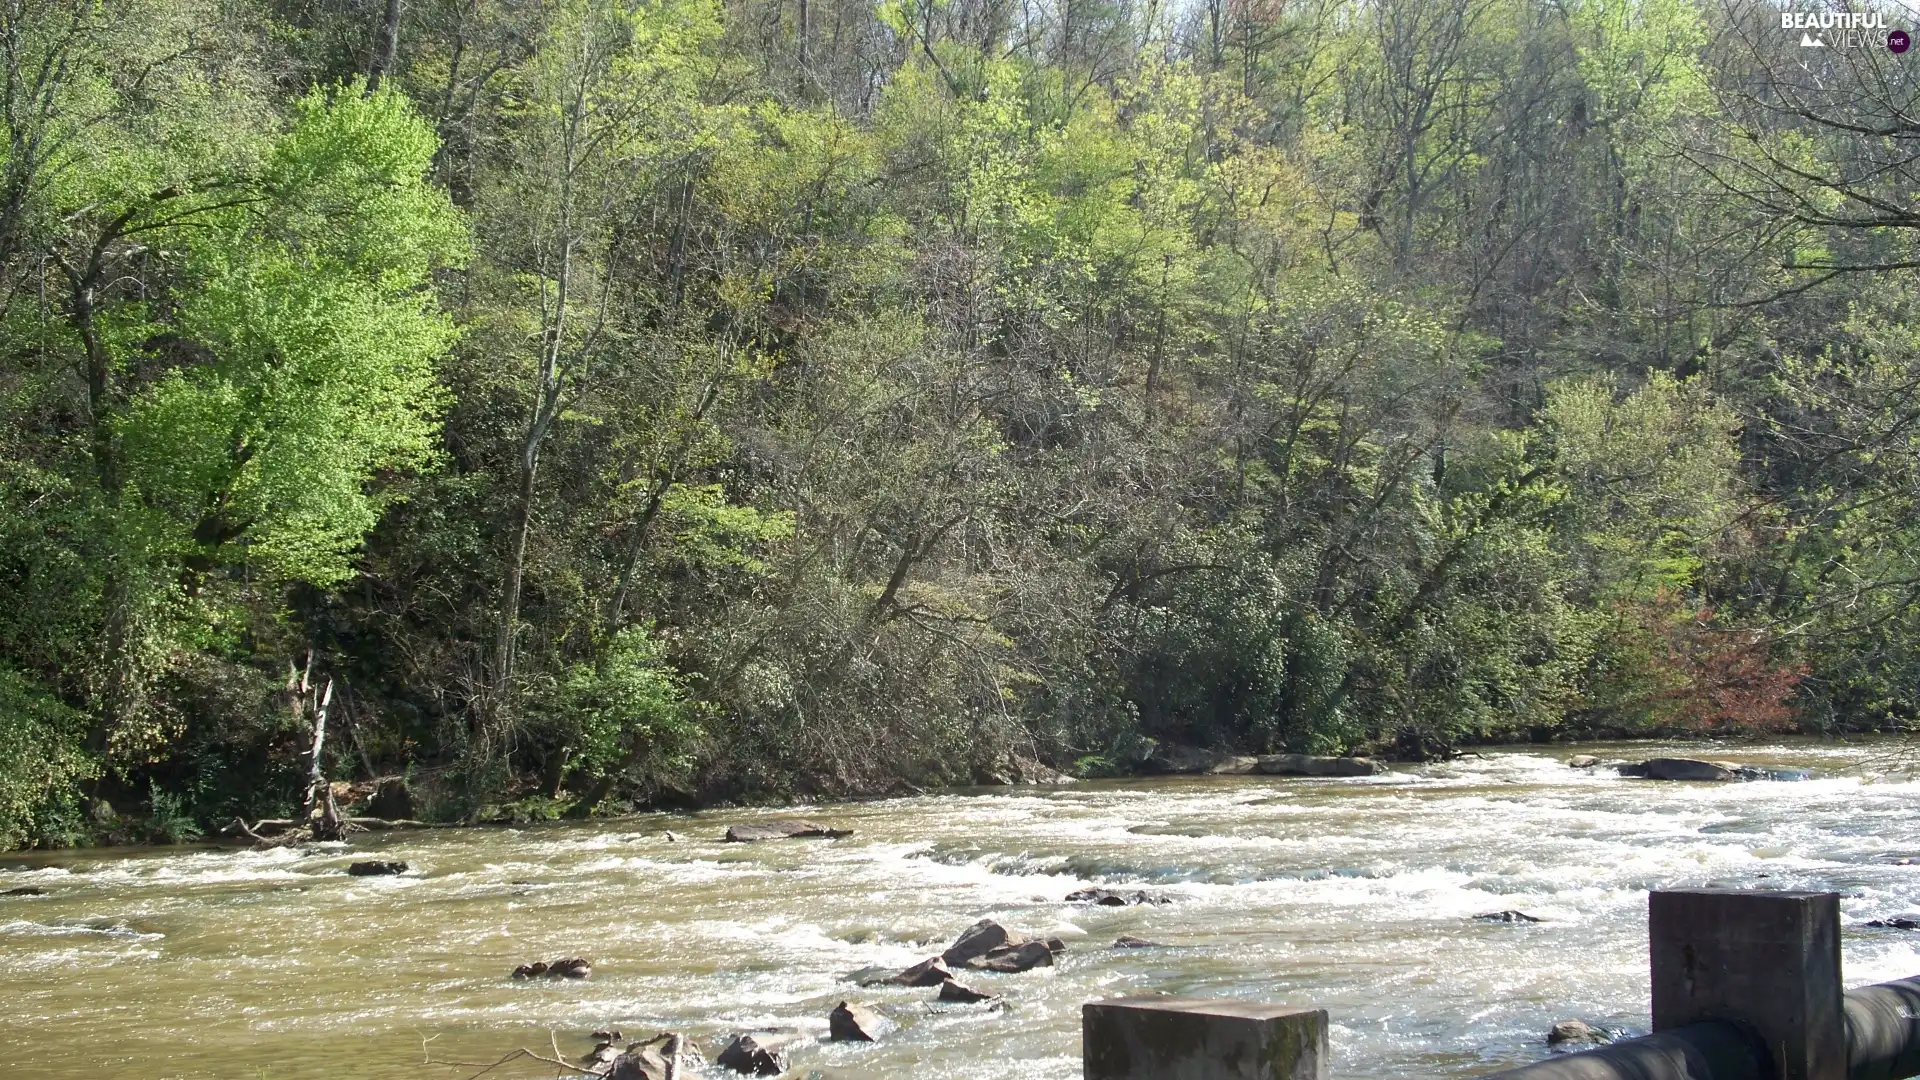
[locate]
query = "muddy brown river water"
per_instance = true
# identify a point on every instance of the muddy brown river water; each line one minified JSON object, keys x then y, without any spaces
{"x":1353,"y":895}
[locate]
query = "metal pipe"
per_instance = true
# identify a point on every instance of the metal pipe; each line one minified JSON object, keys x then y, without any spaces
{"x":1883,"y":1031}
{"x":1713,"y":1050}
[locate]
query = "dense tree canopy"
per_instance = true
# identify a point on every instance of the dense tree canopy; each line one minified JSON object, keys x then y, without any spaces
{"x":665,"y":400}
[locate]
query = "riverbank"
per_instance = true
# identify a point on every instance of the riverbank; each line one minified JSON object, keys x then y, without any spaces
{"x":383,"y":803}
{"x":1355,"y":894}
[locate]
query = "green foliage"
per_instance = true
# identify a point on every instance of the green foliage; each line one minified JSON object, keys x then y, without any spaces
{"x":689,"y":401}
{"x":42,"y":761}
{"x":630,"y":711}
{"x":168,"y":819}
{"x":309,"y":298}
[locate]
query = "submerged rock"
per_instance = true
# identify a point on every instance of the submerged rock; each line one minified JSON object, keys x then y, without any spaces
{"x":964,"y":995}
{"x":1506,"y":916}
{"x":25,"y":890}
{"x":1113,"y":898}
{"x":1126,"y":941}
{"x":759,"y":1053}
{"x":790,"y":829}
{"x":1771,"y":772}
{"x":376,"y":868}
{"x":1311,"y":765}
{"x":1897,"y":922}
{"x":856,"y":1023}
{"x":1571,"y":1033}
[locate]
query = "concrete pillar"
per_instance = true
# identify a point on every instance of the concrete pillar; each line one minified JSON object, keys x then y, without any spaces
{"x":1767,"y":960}
{"x":1173,"y":1038}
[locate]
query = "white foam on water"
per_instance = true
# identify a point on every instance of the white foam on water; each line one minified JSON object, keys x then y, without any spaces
{"x":1356,"y":895}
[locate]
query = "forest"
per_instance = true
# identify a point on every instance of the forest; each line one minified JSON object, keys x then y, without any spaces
{"x":592,"y":404}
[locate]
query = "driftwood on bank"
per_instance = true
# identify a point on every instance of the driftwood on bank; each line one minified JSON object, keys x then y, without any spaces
{"x":557,"y":1061}
{"x":277,"y":832}
{"x":318,"y":808}
{"x":657,"y":1058}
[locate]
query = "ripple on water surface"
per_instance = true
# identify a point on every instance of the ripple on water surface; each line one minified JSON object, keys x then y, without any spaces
{"x":1355,"y":895}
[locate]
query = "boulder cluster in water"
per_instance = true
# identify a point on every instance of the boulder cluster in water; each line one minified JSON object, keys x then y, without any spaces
{"x":985,"y":946}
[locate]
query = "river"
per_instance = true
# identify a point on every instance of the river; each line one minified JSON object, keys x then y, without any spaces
{"x":1354,"y":895}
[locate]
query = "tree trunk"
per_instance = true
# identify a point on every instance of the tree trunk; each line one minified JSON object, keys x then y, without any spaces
{"x":386,"y":48}
{"x":513,"y":582}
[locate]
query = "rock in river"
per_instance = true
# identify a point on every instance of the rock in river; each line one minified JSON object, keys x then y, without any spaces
{"x":1715,"y":772}
{"x":603,"y":1053}
{"x":651,"y":1060}
{"x":1576,"y":1033}
{"x":925,"y":973}
{"x":1582,"y":761}
{"x":788,"y":829}
{"x":1009,"y":960}
{"x":978,"y":940}
{"x":376,"y":868}
{"x":964,"y":995}
{"x":759,"y":1053}
{"x":856,"y":1023}
{"x":25,"y":890}
{"x":988,"y":946}
{"x":573,"y":967}
{"x":1112,"y":898}
{"x":1310,"y":765}
{"x":1126,"y":941}
{"x":1506,"y":916}
{"x":1897,"y":922}
{"x":1662,"y":768}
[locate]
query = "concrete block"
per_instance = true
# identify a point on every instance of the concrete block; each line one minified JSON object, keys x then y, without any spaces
{"x":1769,"y":961}
{"x":1174,"y":1038}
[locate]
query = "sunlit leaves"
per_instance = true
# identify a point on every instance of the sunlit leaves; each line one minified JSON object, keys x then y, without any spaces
{"x":319,"y":347}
